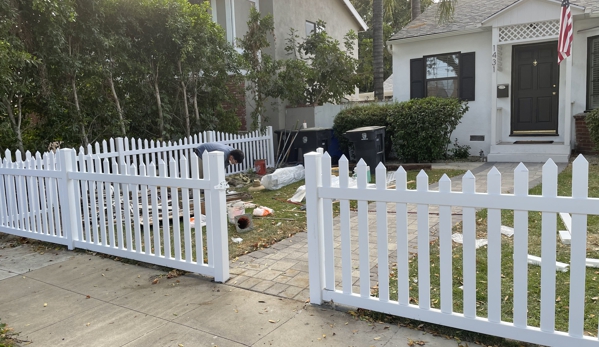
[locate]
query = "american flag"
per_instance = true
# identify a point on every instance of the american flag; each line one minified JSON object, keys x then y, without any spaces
{"x":564,"y":44}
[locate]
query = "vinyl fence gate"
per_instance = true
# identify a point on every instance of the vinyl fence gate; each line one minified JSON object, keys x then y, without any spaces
{"x":131,"y":211}
{"x":333,"y":273}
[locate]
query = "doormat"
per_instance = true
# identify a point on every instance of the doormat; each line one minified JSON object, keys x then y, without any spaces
{"x":532,"y":142}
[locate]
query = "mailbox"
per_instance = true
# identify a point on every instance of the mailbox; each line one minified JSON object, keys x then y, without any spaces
{"x":503,"y":90}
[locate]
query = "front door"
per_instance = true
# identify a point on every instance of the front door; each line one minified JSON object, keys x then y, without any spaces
{"x":535,"y":92}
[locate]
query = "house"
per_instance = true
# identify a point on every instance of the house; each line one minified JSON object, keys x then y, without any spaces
{"x":300,"y":15}
{"x":501,"y":56}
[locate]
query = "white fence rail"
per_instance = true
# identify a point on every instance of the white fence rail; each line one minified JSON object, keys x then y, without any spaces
{"x":256,"y":145}
{"x":331,"y":282}
{"x":139,"y":211}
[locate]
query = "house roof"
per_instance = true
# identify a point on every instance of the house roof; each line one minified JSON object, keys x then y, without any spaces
{"x":468,"y":14}
{"x":356,"y":15}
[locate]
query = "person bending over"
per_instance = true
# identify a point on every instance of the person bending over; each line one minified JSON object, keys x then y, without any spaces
{"x":232,"y":156}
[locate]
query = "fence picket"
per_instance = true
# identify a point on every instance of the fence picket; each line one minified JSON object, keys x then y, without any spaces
{"x":445,"y":249}
{"x":22,"y":196}
{"x":401,"y":230}
{"x":548,"y":249}
{"x":31,"y":193}
{"x":136,"y":209}
{"x":578,"y":249}
{"x":186,"y":215}
{"x":327,"y":205}
{"x":84,"y":198}
{"x":101,"y":193}
{"x":494,"y":249}
{"x":382,"y":235}
{"x":424,"y":278}
{"x":3,"y":196}
{"x":175,"y":203}
{"x":520,"y":250}
{"x":43,"y":201}
{"x":118,"y":209}
{"x":166,"y":234}
{"x":93,"y":201}
{"x":147,"y":245}
{"x":363,"y":232}
{"x":346,"y":249}
{"x":155,"y":214}
{"x":469,"y":246}
{"x":128,"y":208}
{"x":54,"y":213}
{"x":197,"y":204}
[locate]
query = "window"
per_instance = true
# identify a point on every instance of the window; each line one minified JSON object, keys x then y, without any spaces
{"x":593,"y":73}
{"x":310,"y":27}
{"x":443,"y":75}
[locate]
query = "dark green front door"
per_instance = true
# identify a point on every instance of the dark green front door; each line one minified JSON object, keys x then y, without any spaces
{"x":535,"y":89}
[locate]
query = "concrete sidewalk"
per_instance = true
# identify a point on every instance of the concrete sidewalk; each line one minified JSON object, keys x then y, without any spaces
{"x":54,"y":297}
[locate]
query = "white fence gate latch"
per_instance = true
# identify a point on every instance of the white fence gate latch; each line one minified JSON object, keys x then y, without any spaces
{"x":222,"y":186}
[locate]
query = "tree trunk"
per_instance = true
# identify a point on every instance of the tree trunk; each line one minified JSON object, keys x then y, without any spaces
{"x":185,"y":108}
{"x":415,"y":9}
{"x":118,"y":105}
{"x":159,"y":105}
{"x":78,"y":108}
{"x":15,"y":122}
{"x":196,"y":111}
{"x":377,"y":51}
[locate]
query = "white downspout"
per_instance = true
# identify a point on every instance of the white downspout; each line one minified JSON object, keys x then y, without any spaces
{"x":228,"y":22}
{"x":568,"y":102}
{"x":213,"y":7}
{"x":494,"y":62}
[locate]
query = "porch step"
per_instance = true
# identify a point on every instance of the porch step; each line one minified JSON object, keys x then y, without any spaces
{"x":529,"y":153}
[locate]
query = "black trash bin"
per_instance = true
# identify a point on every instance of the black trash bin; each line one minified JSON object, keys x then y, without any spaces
{"x":309,"y":139}
{"x":368,"y":144}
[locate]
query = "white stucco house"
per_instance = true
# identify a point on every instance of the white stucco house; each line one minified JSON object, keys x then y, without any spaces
{"x":501,"y":56}
{"x":300,"y":15}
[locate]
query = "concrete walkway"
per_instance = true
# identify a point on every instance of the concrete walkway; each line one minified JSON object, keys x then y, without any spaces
{"x":53,"y":297}
{"x":282,"y":270}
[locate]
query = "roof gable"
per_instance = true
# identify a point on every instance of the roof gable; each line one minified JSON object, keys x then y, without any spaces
{"x":471,"y":14}
{"x":356,"y":15}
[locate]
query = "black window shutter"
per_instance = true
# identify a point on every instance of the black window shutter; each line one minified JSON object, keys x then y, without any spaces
{"x":417,"y":78}
{"x":467,"y":72}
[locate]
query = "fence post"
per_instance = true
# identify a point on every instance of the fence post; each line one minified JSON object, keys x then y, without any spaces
{"x":218,"y":215}
{"x":120,"y":149}
{"x":314,"y":216}
{"x":66,"y":196}
{"x":271,"y":148}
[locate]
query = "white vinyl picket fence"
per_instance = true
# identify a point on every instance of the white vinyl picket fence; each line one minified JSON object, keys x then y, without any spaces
{"x":330,"y":281}
{"x":255,"y":145}
{"x":131,"y":211}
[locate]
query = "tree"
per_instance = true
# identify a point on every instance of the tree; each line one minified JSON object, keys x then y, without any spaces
{"x":389,"y":16}
{"x":319,"y":71}
{"x":261,"y":68}
{"x":377,"y":48}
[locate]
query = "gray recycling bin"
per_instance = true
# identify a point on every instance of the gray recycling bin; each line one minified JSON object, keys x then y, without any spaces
{"x":369,"y":144}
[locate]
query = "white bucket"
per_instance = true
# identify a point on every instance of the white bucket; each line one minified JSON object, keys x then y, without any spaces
{"x":235,"y":210}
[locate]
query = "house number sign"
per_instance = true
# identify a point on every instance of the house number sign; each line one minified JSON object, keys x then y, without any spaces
{"x":494,"y":58}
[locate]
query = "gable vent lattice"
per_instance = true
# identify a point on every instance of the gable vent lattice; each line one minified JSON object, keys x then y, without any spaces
{"x":529,"y":31}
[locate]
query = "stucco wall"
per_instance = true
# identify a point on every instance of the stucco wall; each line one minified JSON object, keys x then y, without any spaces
{"x":477,"y":120}
{"x":294,"y":14}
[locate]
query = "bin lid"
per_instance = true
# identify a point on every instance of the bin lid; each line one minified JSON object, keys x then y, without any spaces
{"x":362,"y":129}
{"x":315,"y":129}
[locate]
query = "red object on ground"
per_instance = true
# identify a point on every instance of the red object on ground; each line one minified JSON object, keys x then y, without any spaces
{"x":260,"y":166}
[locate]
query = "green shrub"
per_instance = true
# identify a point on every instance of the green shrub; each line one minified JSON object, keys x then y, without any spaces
{"x":358,"y":116}
{"x":459,"y":151}
{"x":421,"y":128}
{"x":592,"y":121}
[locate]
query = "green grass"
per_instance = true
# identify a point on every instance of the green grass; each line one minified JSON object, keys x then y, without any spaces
{"x":534,"y":277}
{"x":6,"y":336}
